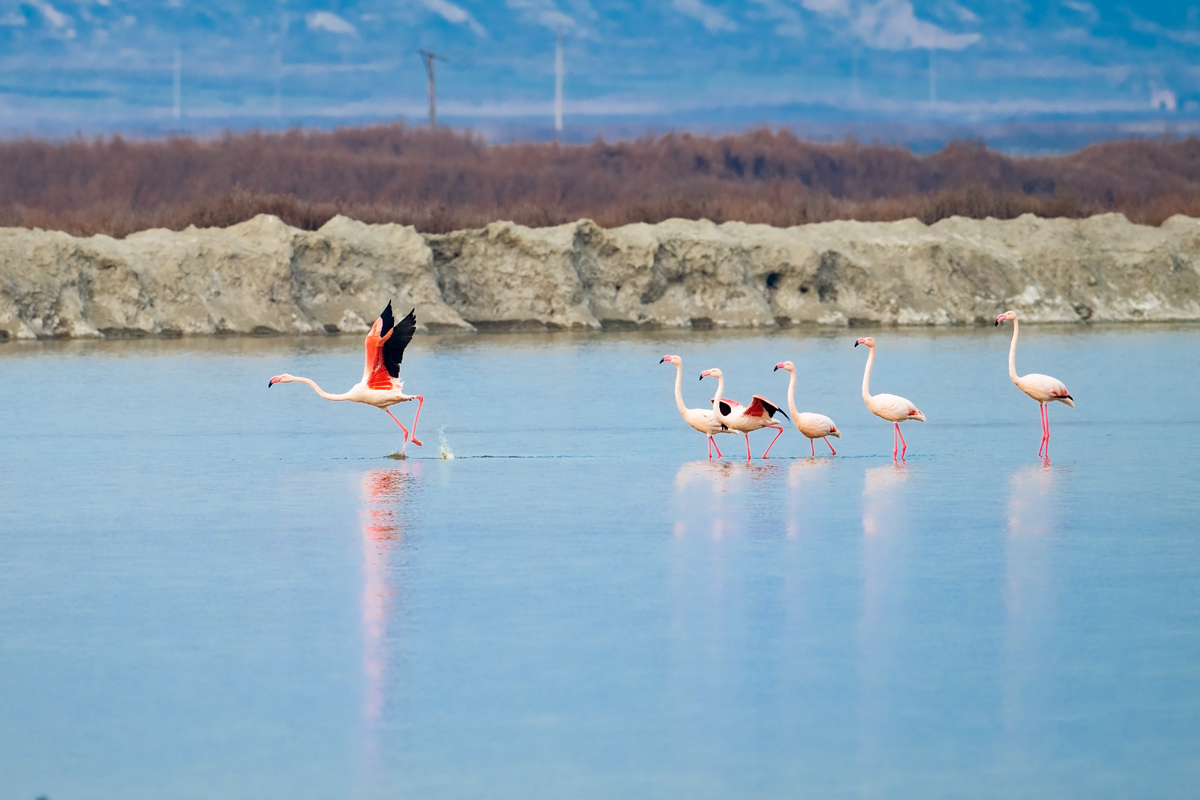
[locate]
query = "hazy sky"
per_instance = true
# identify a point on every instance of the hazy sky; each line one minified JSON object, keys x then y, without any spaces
{"x":108,"y":64}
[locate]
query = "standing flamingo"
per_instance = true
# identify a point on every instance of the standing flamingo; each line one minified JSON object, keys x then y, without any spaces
{"x":759,"y":414}
{"x":701,"y":419}
{"x":380,"y":385}
{"x":814,"y":426}
{"x":893,"y":408}
{"x":1042,"y":388}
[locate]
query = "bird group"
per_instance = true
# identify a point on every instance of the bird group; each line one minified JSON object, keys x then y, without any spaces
{"x":730,"y":416}
{"x":381,"y":387}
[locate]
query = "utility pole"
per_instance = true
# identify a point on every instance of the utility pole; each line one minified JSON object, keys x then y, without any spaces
{"x":558,"y":83}
{"x":430,"y":57}
{"x":178,"y":85}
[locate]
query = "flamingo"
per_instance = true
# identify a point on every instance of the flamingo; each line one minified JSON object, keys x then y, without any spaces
{"x":1042,"y":388}
{"x":380,"y":385}
{"x":893,"y":408}
{"x":743,"y":419}
{"x":814,"y":426}
{"x":701,"y":419}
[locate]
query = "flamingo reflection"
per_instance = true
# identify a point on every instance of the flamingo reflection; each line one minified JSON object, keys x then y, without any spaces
{"x":707,"y":491}
{"x":882,"y":554}
{"x":383,"y":531}
{"x":1028,"y":587}
{"x":802,"y":476}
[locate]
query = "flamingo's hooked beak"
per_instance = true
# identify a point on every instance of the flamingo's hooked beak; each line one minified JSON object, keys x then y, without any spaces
{"x":856,"y":344}
{"x":661,"y":360}
{"x":273,"y":381}
{"x":704,"y":374}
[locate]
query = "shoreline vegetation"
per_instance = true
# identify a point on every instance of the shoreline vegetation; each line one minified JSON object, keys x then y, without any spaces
{"x":444,"y":181}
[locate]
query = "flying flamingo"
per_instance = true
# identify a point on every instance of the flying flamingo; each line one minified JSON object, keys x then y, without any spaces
{"x":743,"y":419}
{"x":1042,"y":388}
{"x":891,"y":407}
{"x":814,"y":426}
{"x":701,"y":419}
{"x":380,"y":385}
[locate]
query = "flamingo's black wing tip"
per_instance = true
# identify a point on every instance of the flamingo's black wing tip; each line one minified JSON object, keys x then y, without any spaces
{"x":388,"y":321}
{"x":393,"y":348}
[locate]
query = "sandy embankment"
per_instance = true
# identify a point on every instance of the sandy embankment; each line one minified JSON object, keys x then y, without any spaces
{"x":264,"y":277}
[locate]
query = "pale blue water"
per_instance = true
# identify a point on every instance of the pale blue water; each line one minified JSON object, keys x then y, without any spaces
{"x":212,"y":589}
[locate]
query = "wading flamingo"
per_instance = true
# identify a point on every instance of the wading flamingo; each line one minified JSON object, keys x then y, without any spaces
{"x":702,"y":419}
{"x":814,"y":426}
{"x":743,"y":419}
{"x":891,"y":407}
{"x":380,"y":385}
{"x":1042,"y":388}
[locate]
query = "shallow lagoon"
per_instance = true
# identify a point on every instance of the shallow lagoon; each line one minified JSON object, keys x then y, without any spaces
{"x":215,"y":589}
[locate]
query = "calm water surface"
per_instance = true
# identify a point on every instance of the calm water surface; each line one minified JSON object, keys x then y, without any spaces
{"x":212,"y":589}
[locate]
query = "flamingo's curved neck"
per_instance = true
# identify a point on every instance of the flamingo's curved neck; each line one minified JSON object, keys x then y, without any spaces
{"x":1012,"y":352}
{"x":792,"y":396}
{"x":867,"y":376}
{"x":717,"y":399}
{"x":679,"y":389}
{"x":321,"y":391}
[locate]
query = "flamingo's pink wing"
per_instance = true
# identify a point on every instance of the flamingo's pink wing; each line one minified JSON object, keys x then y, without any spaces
{"x":376,"y":372}
{"x":762,"y":407}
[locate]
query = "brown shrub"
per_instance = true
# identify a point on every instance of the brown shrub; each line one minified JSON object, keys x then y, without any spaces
{"x":442,"y":180}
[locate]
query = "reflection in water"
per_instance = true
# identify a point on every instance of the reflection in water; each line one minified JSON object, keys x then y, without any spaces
{"x":1028,"y":590}
{"x":882,"y":520}
{"x":383,"y":492}
{"x":706,"y":492}
{"x":801,"y":472}
{"x":877,"y":496}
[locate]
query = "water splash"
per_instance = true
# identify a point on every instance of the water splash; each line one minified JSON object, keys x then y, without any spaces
{"x":444,"y":451}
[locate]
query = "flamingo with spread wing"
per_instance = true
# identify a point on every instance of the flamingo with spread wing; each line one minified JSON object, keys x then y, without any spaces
{"x":380,"y":385}
{"x":744,"y":419}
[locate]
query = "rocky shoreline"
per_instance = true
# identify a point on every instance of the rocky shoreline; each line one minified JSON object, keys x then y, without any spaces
{"x":262,"y":277}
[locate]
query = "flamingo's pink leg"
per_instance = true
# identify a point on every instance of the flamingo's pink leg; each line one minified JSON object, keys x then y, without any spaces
{"x":420,"y":402}
{"x":826,"y":438}
{"x":710,"y":447}
{"x":747,"y":446}
{"x":1045,"y":433}
{"x":903,"y":444}
{"x":398,"y":422}
{"x":772,"y":444}
{"x":895,"y":446}
{"x":812,"y":448}
{"x":715,"y":445}
{"x":1047,"y":413}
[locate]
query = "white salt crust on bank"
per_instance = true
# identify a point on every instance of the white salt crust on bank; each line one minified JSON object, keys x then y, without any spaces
{"x":264,"y":277}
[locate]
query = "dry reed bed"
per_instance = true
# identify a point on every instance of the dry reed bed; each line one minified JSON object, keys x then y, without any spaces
{"x":442,"y":180}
